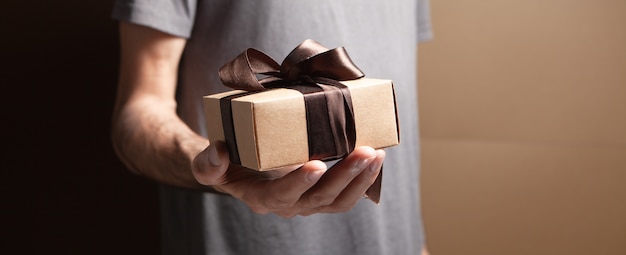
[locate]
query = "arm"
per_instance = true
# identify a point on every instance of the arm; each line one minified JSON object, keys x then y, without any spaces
{"x":147,"y":134}
{"x":153,"y":141}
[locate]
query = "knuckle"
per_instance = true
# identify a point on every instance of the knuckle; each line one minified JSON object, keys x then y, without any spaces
{"x":321,"y":200}
{"x":278,"y":204}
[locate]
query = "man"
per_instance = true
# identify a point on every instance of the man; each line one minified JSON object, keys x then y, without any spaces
{"x":170,"y":54}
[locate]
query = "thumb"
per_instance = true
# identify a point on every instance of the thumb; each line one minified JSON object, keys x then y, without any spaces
{"x":210,"y":165}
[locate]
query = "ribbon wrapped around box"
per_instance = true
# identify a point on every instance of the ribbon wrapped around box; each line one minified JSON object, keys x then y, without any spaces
{"x":315,"y":105}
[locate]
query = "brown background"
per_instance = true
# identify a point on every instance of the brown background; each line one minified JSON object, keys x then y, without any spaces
{"x":523,"y":124}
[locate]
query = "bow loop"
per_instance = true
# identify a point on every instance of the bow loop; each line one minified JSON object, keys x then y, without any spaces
{"x":332,"y":64}
{"x":241,"y":72}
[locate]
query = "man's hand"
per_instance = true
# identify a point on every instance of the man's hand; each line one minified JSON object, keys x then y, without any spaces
{"x":302,"y":190}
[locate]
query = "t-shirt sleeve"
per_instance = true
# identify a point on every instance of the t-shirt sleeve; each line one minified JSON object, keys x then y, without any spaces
{"x":424,"y":25}
{"x":169,"y":16}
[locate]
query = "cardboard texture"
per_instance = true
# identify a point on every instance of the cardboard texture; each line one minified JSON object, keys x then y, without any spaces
{"x":271,"y":130}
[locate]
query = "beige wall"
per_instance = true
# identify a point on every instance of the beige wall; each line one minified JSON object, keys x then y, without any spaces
{"x":523,"y":124}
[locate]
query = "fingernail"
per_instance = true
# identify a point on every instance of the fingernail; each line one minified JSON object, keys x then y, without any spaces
{"x":313,"y":176}
{"x":362,"y":163}
{"x":375,"y":166}
{"x":214,"y":157}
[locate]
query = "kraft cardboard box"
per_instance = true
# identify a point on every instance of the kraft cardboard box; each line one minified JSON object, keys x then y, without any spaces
{"x":271,"y":127}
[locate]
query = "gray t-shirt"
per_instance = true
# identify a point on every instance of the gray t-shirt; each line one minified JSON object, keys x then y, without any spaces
{"x":381,"y":38}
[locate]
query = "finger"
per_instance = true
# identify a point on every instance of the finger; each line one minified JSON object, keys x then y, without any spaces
{"x":337,"y":178}
{"x":357,"y":188}
{"x":210,"y":165}
{"x":282,"y":193}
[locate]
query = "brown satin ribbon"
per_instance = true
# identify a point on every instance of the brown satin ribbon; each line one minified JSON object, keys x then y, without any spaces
{"x":310,"y":68}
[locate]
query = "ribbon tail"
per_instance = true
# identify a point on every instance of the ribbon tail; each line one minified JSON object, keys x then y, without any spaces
{"x":373,"y":192}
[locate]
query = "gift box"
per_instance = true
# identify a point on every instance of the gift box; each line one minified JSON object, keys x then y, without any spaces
{"x":271,"y":128}
{"x":316,"y":104}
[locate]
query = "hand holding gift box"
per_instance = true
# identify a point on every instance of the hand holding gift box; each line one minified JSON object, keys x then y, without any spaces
{"x":315,"y":105}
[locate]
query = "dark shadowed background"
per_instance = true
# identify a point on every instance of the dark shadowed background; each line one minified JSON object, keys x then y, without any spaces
{"x":63,"y":189}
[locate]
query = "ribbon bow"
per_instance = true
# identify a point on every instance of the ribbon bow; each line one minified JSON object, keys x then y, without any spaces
{"x":308,"y":60}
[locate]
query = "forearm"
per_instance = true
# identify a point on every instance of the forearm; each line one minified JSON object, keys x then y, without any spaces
{"x":152,"y":141}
